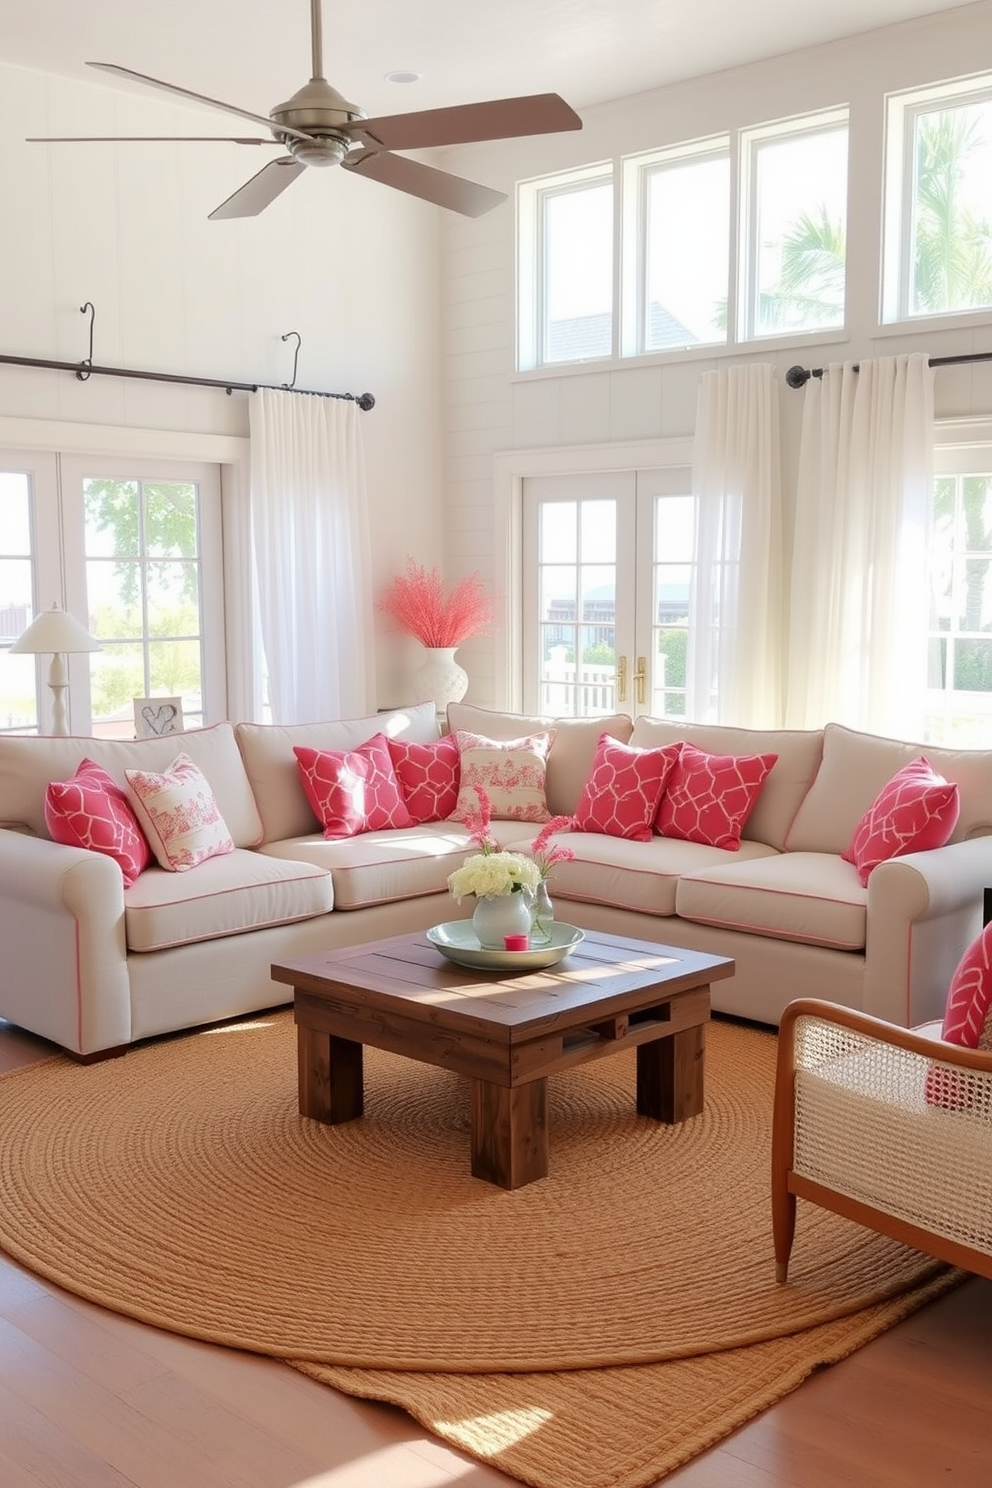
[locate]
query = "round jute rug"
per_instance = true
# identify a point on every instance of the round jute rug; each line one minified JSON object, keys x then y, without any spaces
{"x":180,"y":1186}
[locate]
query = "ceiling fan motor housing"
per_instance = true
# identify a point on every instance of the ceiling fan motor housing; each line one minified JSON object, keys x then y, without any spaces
{"x":321,"y":112}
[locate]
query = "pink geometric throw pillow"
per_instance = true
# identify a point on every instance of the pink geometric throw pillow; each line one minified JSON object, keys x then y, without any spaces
{"x":512,"y":772}
{"x":967,"y":1021}
{"x":709,"y":797}
{"x":428,"y":776}
{"x":917,"y":810}
{"x":620,"y":797}
{"x":179,"y":815}
{"x":353,"y":790}
{"x":91,"y":810}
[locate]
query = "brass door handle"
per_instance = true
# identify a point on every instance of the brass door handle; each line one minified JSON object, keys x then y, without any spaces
{"x":640,"y":678}
{"x":621,"y":679}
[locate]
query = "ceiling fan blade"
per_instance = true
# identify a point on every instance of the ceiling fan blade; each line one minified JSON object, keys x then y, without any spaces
{"x":502,"y":118}
{"x":228,"y":108}
{"x":255,"y":195}
{"x":142,"y":139}
{"x":444,"y":190}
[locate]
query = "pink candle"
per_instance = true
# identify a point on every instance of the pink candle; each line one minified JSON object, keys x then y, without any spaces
{"x":516,"y":942}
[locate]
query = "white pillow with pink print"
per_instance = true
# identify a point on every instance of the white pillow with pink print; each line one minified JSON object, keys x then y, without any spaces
{"x":179,"y":815}
{"x":512,"y":772}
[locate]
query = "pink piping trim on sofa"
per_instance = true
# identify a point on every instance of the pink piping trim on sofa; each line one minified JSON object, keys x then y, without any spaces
{"x":79,"y":991}
{"x":751,"y":929}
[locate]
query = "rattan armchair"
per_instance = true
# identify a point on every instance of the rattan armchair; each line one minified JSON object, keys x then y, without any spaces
{"x":889,"y":1126}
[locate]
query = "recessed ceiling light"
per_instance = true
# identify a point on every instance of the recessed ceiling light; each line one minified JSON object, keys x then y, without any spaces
{"x":403,"y":75}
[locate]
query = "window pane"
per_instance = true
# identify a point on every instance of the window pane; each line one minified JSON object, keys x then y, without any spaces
{"x":951,"y":234}
{"x":799,"y":232}
{"x":578,"y":274}
{"x":18,"y":674}
{"x":959,"y":659}
{"x":687,"y":254}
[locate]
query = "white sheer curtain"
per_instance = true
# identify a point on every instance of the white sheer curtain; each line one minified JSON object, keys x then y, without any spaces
{"x":310,"y":538}
{"x":735,"y":628}
{"x":859,"y":609}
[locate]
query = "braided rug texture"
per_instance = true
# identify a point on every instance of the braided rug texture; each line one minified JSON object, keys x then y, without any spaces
{"x":599,"y":1327}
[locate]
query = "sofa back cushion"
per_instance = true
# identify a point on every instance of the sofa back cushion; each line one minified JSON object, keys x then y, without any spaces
{"x":855,"y":768}
{"x":573,"y":750}
{"x":28,"y":763}
{"x":788,"y":781}
{"x":267,"y":751}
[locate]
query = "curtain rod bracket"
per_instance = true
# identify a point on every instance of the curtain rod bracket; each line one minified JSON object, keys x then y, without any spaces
{"x":87,"y":361}
{"x":797,"y":377}
{"x":296,"y":357}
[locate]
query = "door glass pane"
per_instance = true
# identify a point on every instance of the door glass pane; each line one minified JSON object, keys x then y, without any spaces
{"x":578,"y":273}
{"x":674,"y":539}
{"x":18,"y":686}
{"x":577,"y":617}
{"x":959,"y":660}
{"x":799,"y":233}
{"x":687,"y":254}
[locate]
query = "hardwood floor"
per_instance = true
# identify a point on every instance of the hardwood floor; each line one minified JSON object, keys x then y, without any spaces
{"x":89,"y":1399}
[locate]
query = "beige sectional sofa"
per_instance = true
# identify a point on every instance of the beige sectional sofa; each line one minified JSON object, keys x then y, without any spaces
{"x":94,"y":966}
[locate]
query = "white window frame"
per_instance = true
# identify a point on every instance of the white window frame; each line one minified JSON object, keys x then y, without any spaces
{"x":635,"y":173}
{"x":749,"y":144}
{"x":902,"y":110}
{"x":531,"y":259}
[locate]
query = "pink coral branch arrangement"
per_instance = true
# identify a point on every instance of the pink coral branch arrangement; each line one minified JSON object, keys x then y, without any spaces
{"x":421,"y":606}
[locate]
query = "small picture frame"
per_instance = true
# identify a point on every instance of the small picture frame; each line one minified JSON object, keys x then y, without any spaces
{"x":155,"y":716}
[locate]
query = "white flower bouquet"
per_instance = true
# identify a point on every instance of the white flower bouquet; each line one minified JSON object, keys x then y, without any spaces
{"x":494,"y":873}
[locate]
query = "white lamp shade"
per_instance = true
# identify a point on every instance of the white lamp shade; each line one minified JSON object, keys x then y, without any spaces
{"x":55,"y":630}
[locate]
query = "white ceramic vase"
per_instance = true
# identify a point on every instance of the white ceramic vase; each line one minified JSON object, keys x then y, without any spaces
{"x":439,"y":679}
{"x":499,"y":915}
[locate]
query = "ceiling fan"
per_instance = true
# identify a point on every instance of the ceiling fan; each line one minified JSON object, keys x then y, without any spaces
{"x":320,"y":127}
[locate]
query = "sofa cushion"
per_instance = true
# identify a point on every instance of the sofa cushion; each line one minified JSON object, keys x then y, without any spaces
{"x":179,"y":815}
{"x":914,"y":812}
{"x":709,"y":797}
{"x":352,"y":790}
{"x":92,"y":811}
{"x":510,"y":771}
{"x":571,"y":755}
{"x":29,"y":763}
{"x":855,"y":768}
{"x":640,"y":876}
{"x":789,"y":780}
{"x":229,"y":895}
{"x":428,"y":776}
{"x":383,"y":867}
{"x":267,"y":751}
{"x":620,"y":797}
{"x":811,"y":897}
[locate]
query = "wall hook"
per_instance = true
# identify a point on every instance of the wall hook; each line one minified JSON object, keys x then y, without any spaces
{"x":296,"y":355}
{"x":87,"y":361}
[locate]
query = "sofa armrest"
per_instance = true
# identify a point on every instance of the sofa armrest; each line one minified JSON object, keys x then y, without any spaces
{"x":924,"y":910}
{"x":63,"y":972}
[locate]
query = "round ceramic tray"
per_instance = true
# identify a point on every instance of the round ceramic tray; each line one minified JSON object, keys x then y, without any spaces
{"x":457,"y":940}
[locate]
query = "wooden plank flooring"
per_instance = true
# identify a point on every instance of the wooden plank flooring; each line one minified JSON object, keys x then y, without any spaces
{"x":89,"y":1399}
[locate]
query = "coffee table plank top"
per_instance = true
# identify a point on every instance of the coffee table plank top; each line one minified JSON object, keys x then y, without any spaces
{"x":601,"y":973}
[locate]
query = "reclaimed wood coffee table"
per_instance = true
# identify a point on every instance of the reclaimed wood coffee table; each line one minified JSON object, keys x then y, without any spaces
{"x":506,"y":1031}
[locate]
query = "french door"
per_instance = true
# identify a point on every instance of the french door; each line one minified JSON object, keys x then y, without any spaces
{"x":608,"y":568}
{"x":132,"y":549}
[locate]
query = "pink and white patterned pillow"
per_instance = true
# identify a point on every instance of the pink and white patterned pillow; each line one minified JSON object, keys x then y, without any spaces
{"x":428,"y":776}
{"x":92,"y":811}
{"x":917,"y":810}
{"x":620,"y":797}
{"x":512,"y":772}
{"x":967,"y":1021}
{"x":353,"y":790}
{"x":709,"y":797}
{"x":179,"y":815}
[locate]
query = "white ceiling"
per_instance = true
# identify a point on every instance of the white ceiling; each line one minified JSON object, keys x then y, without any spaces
{"x":255,"y":53}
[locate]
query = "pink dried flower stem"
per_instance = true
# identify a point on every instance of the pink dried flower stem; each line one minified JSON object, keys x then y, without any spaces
{"x":478,"y":822}
{"x":419,"y":604}
{"x":546,"y":857}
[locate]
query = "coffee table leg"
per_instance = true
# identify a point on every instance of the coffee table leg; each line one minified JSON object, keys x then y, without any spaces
{"x":330,"y":1072}
{"x":670,"y":1076}
{"x":510,"y":1132}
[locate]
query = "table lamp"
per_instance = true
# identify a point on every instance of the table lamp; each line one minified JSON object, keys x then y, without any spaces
{"x":60,"y":633}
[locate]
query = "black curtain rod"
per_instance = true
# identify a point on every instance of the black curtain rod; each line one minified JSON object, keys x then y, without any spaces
{"x":798,"y":377}
{"x":83,"y":370}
